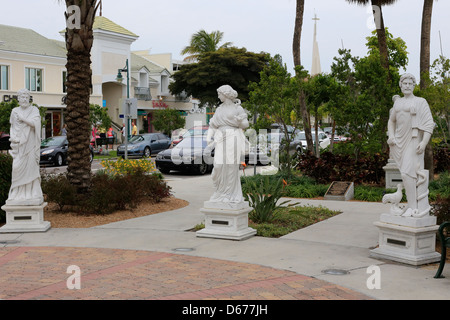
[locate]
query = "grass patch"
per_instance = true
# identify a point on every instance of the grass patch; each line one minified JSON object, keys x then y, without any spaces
{"x":292,"y":219}
{"x":287,"y":220}
{"x":112,"y":154}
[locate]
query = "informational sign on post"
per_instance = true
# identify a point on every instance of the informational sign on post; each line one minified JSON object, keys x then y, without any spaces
{"x":129,"y":108}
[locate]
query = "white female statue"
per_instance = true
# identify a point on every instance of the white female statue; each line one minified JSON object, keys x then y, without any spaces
{"x":25,"y":137}
{"x":410,"y":128}
{"x":226,"y":131}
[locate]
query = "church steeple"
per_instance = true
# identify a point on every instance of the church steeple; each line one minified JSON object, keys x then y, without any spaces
{"x":315,"y":67}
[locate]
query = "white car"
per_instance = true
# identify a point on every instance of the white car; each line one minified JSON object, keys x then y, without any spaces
{"x":300,"y":139}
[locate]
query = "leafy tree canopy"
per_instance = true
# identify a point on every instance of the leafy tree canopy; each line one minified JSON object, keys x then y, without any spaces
{"x":168,"y":120}
{"x":236,"y":67}
{"x":99,"y":117}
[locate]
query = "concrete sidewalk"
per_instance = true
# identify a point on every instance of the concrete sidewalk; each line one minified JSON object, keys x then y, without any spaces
{"x":157,"y":257}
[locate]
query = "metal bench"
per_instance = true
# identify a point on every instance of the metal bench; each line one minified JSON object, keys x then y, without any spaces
{"x":445,"y":243}
{"x":104,"y":142}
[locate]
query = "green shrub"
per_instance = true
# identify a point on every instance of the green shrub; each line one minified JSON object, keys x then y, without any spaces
{"x":58,"y":190}
{"x":368,"y":168}
{"x":5,"y":181}
{"x":441,"y":209}
{"x":440,"y":188}
{"x":108,"y":193}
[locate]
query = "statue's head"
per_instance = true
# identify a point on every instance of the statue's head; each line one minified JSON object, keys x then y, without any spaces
{"x":408,"y":76}
{"x":228,"y":92}
{"x":407,"y":83}
{"x":24,"y":97}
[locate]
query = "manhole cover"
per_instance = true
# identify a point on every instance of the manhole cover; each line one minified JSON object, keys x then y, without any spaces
{"x":336,"y":272}
{"x":9,"y":241}
{"x":183,"y":249}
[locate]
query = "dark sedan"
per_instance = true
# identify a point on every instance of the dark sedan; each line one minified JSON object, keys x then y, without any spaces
{"x":54,"y":151}
{"x":144,"y":145}
{"x":192,"y":154}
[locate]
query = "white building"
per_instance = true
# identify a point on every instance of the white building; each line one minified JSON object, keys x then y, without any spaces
{"x":29,"y":60}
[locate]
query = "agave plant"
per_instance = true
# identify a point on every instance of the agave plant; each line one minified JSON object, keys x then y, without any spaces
{"x":263,"y":196}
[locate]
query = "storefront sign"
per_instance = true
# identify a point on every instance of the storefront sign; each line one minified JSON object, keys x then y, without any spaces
{"x":8,"y":98}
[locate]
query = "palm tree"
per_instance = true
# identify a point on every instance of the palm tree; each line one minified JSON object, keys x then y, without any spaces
{"x":79,"y":41}
{"x":425,"y":69}
{"x":202,"y":42}
{"x":381,"y":32}
{"x":297,"y":62}
{"x":425,"y":42}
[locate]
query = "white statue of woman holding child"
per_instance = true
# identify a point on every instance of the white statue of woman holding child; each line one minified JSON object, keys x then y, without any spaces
{"x":226,"y":132}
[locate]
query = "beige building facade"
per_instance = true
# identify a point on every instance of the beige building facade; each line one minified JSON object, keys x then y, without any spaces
{"x":29,"y":60}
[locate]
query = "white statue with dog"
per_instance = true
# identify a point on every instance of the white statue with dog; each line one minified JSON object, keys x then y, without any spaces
{"x":410,"y":128}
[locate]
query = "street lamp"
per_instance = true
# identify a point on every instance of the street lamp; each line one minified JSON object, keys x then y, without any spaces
{"x":119,"y":79}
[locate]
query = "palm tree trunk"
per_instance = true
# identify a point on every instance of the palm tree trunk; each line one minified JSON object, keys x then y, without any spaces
{"x":381,"y":35}
{"x":425,"y":43}
{"x":79,"y":84}
{"x":297,"y":62}
{"x":425,"y":70}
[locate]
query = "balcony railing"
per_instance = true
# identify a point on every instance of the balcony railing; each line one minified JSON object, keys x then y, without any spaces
{"x":142,"y":93}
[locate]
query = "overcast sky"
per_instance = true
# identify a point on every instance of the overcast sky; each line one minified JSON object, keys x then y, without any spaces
{"x":166,"y":26}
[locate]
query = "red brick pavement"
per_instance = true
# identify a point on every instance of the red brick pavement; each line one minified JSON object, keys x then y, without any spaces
{"x":40,"y":273}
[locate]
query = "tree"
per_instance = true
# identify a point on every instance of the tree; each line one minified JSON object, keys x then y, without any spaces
{"x":437,"y":94}
{"x":202,"y":42}
{"x":425,"y":69}
{"x":300,"y":7}
{"x":319,"y":90}
{"x":99,"y":117}
{"x":276,"y":96}
{"x":79,"y":40}
{"x":363,"y":97}
{"x":233,"y":66}
{"x":167,"y":120}
{"x":425,"y":42}
{"x":380,"y":29}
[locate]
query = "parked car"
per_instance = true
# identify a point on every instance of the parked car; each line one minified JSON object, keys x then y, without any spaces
{"x":192,"y":154}
{"x":54,"y":151}
{"x":145,"y":145}
{"x":5,"y":144}
{"x":202,"y":130}
{"x":300,"y":139}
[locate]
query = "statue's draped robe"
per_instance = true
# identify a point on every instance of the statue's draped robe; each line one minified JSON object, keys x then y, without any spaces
{"x":26,"y":179}
{"x":230,"y":144}
{"x":412,"y":118}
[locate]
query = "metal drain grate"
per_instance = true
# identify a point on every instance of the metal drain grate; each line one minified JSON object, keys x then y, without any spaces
{"x":9,"y":241}
{"x":183,"y":249}
{"x":336,"y":272}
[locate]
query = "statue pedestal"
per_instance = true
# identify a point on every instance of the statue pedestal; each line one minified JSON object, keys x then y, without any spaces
{"x":393,"y":176}
{"x":226,"y":221}
{"x":407,"y":240}
{"x":25,"y":219}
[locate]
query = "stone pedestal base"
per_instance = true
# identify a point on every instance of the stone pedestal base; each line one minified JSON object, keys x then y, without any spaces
{"x":392,"y":175}
{"x":407,"y":240}
{"x":25,"y":219}
{"x":226,"y":221}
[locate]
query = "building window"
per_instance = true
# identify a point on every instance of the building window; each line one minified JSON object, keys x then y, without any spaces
{"x":4,"y":76}
{"x":33,"y":79}
{"x":64,"y":78}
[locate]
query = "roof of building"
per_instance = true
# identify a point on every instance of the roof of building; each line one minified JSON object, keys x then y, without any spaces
{"x":105,"y":24}
{"x":18,"y":39}
{"x":138,"y":62}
